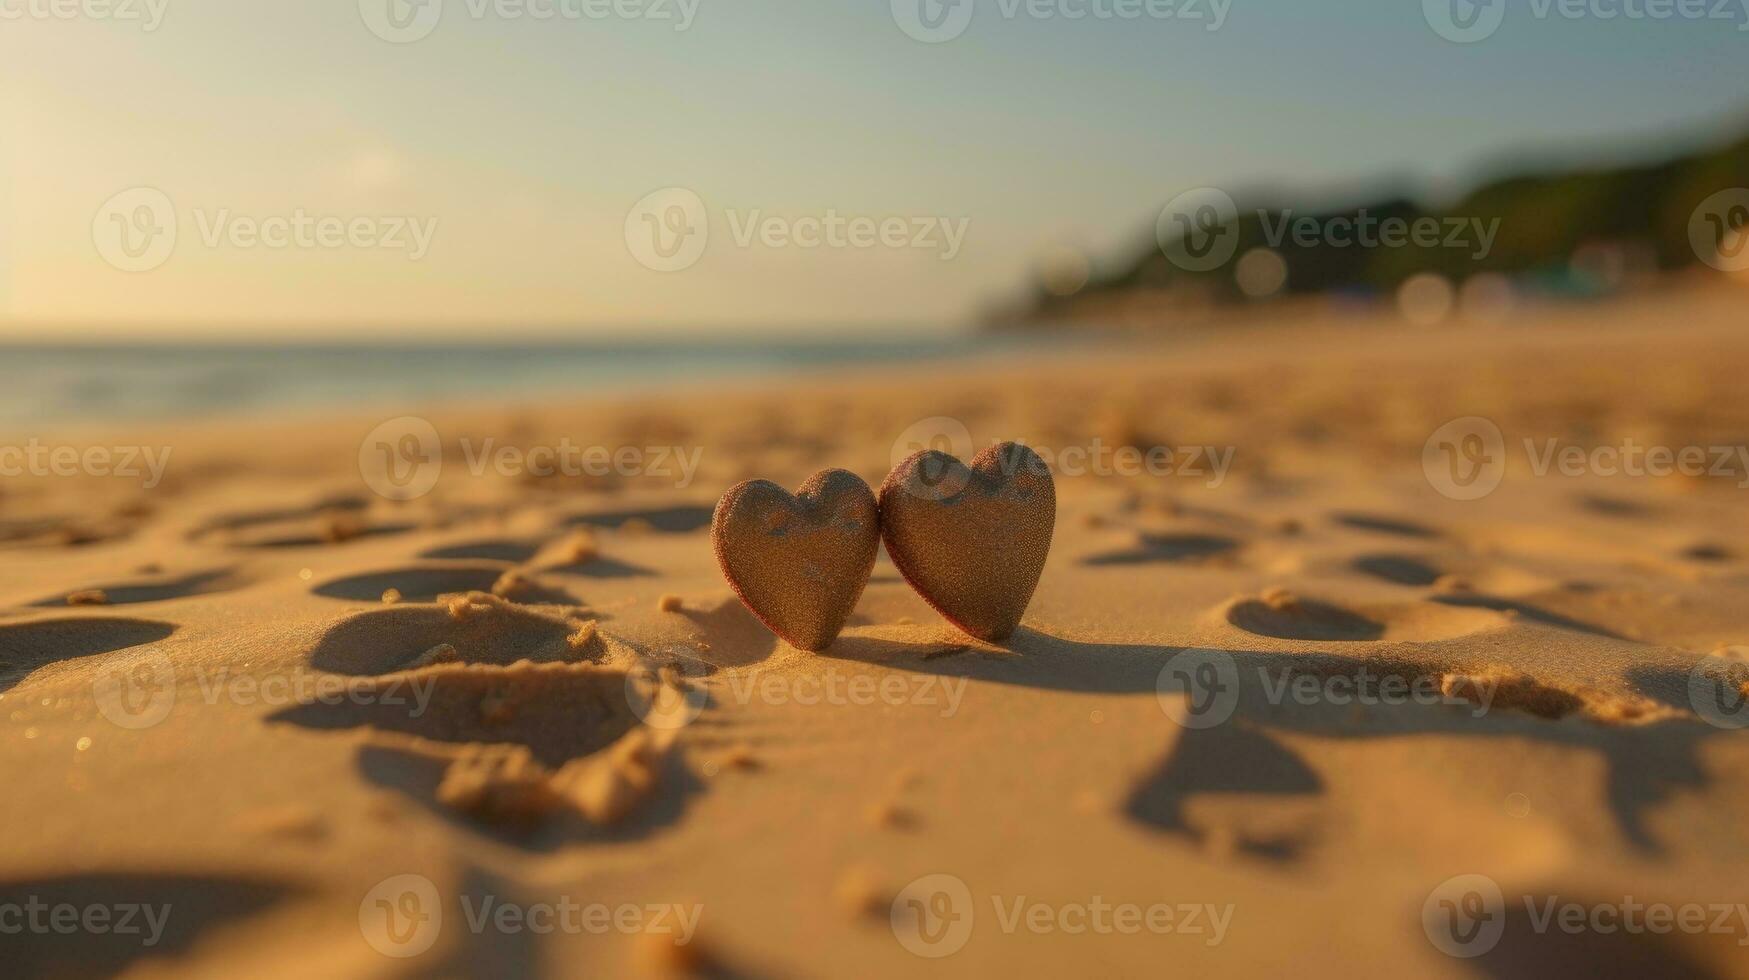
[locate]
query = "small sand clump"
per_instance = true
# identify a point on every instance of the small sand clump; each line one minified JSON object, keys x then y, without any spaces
{"x":579,"y":549}
{"x":891,"y":816}
{"x":1502,"y":688}
{"x":285,"y":822}
{"x":391,"y":596}
{"x":507,"y":786}
{"x":584,"y":638}
{"x":742,"y":758}
{"x":861,"y":892}
{"x":340,"y":528}
{"x":467,"y":605}
{"x":1281,"y":600}
{"x":88,"y":597}
{"x":669,"y":603}
{"x":510,"y":583}
{"x":443,"y":653}
{"x":1521,"y":692}
{"x":664,"y":955}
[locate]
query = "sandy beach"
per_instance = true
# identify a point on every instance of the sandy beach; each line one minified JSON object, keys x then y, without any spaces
{"x":1284,"y":701}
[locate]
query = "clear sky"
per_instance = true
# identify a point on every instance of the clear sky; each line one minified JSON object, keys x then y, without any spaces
{"x":521,"y":146}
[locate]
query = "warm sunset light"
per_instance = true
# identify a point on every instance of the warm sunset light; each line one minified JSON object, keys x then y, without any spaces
{"x":904,"y":488}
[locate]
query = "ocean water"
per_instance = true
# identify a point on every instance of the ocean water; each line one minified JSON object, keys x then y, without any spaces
{"x":81,"y":384}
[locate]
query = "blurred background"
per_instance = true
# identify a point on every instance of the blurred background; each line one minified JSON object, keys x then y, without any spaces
{"x":212,"y":205}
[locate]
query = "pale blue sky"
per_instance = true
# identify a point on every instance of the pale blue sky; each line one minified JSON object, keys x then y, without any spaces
{"x":529,"y":142}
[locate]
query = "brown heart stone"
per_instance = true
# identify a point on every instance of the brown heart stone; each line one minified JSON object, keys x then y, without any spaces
{"x":799,"y":562}
{"x":972,"y":541}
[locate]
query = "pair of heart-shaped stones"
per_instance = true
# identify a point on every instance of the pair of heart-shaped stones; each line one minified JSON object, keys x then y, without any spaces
{"x":972,"y":540}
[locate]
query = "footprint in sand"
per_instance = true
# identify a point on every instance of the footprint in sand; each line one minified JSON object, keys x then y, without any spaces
{"x":559,"y":712}
{"x":670,"y":520}
{"x":1172,"y":549}
{"x":546,"y":743}
{"x":326,"y":522}
{"x":393,"y":639}
{"x":1384,"y":525}
{"x":550,"y":552}
{"x":517,"y":550}
{"x":1398,"y":569}
{"x":1228,"y":760}
{"x":1708,"y":552}
{"x":424,"y":583}
{"x":25,"y":648}
{"x":158,"y":588}
{"x":1285,"y":616}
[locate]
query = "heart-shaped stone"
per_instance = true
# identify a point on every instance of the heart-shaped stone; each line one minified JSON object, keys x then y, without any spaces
{"x":799,"y":562}
{"x":972,"y":540}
